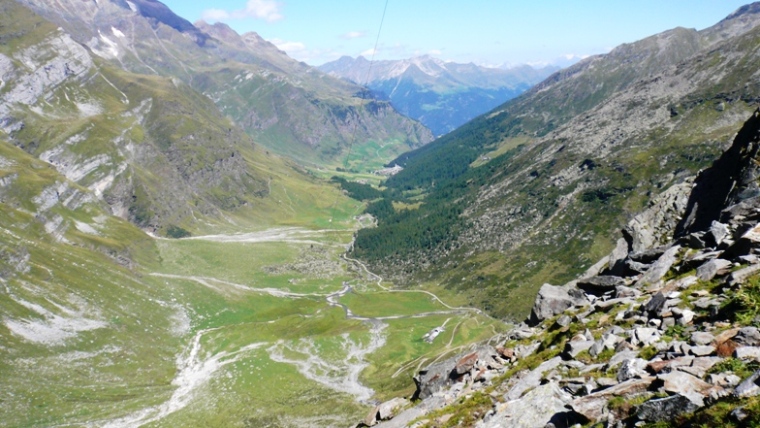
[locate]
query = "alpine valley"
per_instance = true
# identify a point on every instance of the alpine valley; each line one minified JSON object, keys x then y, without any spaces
{"x":191,"y":233}
{"x":441,"y":95}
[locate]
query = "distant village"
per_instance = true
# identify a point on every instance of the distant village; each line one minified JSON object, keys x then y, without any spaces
{"x":387,"y":172}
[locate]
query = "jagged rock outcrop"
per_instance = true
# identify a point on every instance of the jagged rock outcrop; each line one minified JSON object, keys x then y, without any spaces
{"x":667,"y":350}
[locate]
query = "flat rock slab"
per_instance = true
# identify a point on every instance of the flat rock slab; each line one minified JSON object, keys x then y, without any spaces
{"x":532,"y":379}
{"x":741,"y":275}
{"x":702,"y":351}
{"x":599,"y":285}
{"x":656,"y":367}
{"x":592,"y":406}
{"x":700,"y":338}
{"x":534,"y":410}
{"x":678,"y":382}
{"x":709,"y":270}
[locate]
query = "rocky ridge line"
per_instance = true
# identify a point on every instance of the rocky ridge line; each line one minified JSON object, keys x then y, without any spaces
{"x":658,"y":331}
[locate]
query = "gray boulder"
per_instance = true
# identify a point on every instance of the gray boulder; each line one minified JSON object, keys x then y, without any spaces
{"x":660,"y":267}
{"x":654,"y":305}
{"x":631,"y":369}
{"x":748,"y":336}
{"x":742,"y":275}
{"x":702,"y":338}
{"x":709,"y":270}
{"x":748,"y":353}
{"x":750,"y":387}
{"x":665,"y":409}
{"x":717,"y":232}
{"x":552,"y":300}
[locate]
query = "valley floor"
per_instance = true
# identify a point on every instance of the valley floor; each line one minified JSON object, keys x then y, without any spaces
{"x":274,"y":327}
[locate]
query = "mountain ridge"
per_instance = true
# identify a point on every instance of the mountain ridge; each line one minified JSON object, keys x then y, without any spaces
{"x":442,"y":95}
{"x":274,"y":98}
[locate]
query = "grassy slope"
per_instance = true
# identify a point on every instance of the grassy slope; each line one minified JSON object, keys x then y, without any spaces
{"x":129,"y":363}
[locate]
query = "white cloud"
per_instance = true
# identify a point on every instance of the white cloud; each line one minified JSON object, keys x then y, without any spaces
{"x":215,"y":15}
{"x":368,"y":52}
{"x":266,"y":10}
{"x":292,"y":48}
{"x":353,"y":35}
{"x":435,"y":52}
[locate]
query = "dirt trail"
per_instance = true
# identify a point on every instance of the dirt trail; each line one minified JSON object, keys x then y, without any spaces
{"x":391,"y":290}
{"x":295,"y":235}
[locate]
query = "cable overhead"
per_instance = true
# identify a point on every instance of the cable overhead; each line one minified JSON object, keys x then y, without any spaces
{"x":366,"y":83}
{"x":361,"y":102}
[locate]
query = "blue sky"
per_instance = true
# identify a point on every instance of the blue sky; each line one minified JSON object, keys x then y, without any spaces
{"x":487,"y":32}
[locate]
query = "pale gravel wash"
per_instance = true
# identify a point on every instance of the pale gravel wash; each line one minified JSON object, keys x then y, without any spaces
{"x":52,"y":328}
{"x":193,"y":372}
{"x":295,"y":235}
{"x":341,"y":375}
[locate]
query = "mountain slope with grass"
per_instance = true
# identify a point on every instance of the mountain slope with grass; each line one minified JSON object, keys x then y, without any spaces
{"x":287,"y":106}
{"x":530,"y":192}
{"x":441,"y":95}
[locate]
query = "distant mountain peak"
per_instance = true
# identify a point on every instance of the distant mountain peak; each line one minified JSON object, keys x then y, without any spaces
{"x":753,"y":8}
{"x":442,"y":95}
{"x":154,"y":9}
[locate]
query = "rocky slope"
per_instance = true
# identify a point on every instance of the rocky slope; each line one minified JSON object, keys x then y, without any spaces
{"x":537,"y":180}
{"x":151,"y":149}
{"x":441,"y":95}
{"x":661,"y":332}
{"x":285,"y":105}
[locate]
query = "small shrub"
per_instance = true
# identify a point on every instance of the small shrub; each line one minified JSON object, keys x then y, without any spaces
{"x":647,"y":353}
{"x":746,"y":301}
{"x":177,"y":232}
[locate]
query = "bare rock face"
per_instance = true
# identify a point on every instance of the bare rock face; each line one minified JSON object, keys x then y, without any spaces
{"x":45,"y":66}
{"x":655,"y":226}
{"x":731,"y":180}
